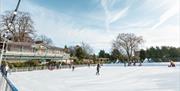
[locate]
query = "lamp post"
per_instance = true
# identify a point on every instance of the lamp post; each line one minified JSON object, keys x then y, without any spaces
{"x":5,"y":35}
{"x":15,"y":11}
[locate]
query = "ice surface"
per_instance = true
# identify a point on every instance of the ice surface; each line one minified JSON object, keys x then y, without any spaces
{"x":111,"y":78}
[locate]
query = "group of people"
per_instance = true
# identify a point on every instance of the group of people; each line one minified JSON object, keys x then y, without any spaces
{"x":4,"y":69}
{"x":172,"y":64}
{"x":54,"y":66}
{"x":98,"y":66}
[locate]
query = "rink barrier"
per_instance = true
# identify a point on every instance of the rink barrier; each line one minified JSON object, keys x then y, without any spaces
{"x":6,"y":84}
{"x":22,"y":69}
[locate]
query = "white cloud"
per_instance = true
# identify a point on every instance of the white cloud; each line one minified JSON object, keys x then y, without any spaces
{"x":112,"y":15}
{"x":63,"y":30}
{"x":116,"y":16}
{"x":61,"y":27}
{"x":168,"y":14}
{"x":164,"y":36}
{"x":172,"y":11}
{"x":104,"y":4}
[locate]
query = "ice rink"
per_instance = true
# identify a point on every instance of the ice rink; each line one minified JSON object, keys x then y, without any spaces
{"x":111,"y":78}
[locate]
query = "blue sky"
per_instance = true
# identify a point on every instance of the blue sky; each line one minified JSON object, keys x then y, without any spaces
{"x":98,"y":22}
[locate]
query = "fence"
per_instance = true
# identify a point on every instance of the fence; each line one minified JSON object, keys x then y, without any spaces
{"x":6,"y":85}
{"x":21,"y":69}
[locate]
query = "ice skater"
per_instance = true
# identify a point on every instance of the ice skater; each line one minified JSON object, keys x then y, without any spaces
{"x":124,"y":63}
{"x":2,"y":68}
{"x":89,"y":64}
{"x":98,"y":69}
{"x":60,"y":65}
{"x":73,"y":67}
{"x":6,"y":69}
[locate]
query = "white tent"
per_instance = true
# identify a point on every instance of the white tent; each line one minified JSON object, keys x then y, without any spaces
{"x":148,"y":60}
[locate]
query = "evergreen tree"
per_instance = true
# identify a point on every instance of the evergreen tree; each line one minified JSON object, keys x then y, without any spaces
{"x":115,"y":54}
{"x":163,"y":54}
{"x":142,"y":55}
{"x":65,"y":49}
{"x":79,"y":53}
{"x":102,"y":54}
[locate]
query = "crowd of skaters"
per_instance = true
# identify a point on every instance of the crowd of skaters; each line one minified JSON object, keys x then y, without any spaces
{"x":134,"y":63}
{"x":72,"y":66}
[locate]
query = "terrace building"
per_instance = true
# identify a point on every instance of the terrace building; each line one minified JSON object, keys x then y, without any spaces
{"x":23,"y":51}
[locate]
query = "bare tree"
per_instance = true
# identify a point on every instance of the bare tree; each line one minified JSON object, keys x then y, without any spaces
{"x":128,"y":43}
{"x":72,"y":50}
{"x":21,"y":29}
{"x":45,"y":39}
{"x":87,"y":49}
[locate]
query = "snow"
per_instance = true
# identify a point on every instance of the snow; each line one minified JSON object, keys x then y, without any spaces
{"x":111,"y":78}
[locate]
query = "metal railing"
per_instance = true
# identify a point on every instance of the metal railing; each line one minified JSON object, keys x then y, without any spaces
{"x":11,"y":55}
{"x":21,"y":69}
{"x":16,"y":53}
{"x":6,"y":85}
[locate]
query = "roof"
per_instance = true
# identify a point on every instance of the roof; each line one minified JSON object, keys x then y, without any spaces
{"x":34,"y":45}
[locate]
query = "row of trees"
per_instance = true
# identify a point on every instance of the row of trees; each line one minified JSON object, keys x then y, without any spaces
{"x":161,"y":54}
{"x":156,"y":54}
{"x":113,"y":56}
{"x":123,"y":48}
{"x":82,"y":51}
{"x":21,"y":30}
{"x":126,"y":46}
{"x":117,"y":56}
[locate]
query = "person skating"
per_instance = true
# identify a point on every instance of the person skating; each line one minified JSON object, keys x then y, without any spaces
{"x":124,"y":63}
{"x":73,"y":67}
{"x":60,"y":65}
{"x":6,"y":69}
{"x":98,"y":69}
{"x":89,"y":64}
{"x":2,"y":68}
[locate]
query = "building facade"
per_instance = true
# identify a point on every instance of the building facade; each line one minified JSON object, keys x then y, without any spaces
{"x":19,"y":51}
